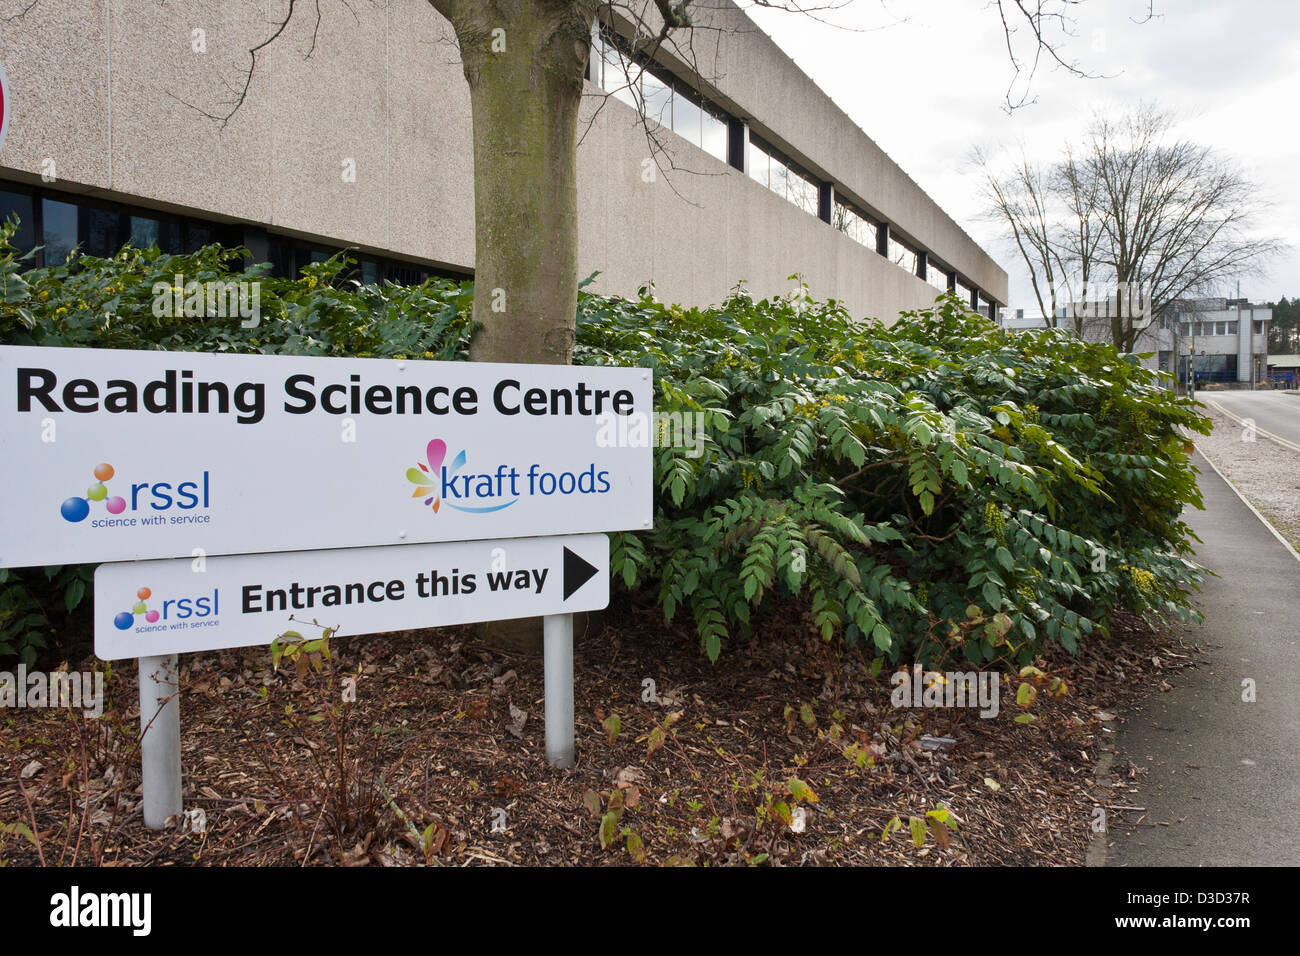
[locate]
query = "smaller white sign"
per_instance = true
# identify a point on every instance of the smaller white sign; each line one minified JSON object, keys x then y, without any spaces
{"x":149,"y":608}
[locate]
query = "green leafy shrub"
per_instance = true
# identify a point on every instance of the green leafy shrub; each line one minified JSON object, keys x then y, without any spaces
{"x":941,"y":489}
{"x":906,"y":480}
{"x":39,"y":605}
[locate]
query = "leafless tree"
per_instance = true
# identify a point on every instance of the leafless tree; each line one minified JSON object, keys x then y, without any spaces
{"x":1135,"y":210}
{"x":1024,"y":201}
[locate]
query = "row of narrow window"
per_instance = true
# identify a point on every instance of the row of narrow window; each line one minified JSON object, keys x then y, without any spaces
{"x":59,"y":223}
{"x":1216,"y":328}
{"x":661,"y":97}
{"x":657,"y":96}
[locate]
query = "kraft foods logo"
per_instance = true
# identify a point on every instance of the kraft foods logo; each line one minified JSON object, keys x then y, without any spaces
{"x":170,"y":614}
{"x":457,"y":486}
{"x":152,"y":498}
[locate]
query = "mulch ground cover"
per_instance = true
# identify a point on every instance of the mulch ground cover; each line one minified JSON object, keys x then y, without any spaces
{"x":787,"y":752}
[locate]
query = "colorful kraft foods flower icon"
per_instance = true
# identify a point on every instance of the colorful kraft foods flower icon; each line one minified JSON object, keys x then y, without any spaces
{"x":427,"y":479}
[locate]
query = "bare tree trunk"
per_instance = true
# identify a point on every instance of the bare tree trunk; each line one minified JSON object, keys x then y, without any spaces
{"x":525,"y":74}
{"x":524,"y":61}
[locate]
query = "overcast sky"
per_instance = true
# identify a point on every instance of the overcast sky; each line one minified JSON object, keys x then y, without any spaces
{"x":927,"y":79}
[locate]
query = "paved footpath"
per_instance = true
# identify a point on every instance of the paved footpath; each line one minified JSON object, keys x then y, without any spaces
{"x":1224,"y":774}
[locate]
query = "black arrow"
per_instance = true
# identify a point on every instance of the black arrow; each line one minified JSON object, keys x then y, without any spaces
{"x":577,"y":572}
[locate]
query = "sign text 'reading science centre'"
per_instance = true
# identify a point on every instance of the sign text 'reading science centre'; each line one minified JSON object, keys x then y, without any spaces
{"x":117,"y":455}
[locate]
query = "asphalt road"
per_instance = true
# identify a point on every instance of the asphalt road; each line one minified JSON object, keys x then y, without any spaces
{"x":1273,"y":411}
{"x":1222,"y":775}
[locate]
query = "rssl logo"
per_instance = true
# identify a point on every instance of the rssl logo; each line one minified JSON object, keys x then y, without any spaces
{"x":161,"y":496}
{"x":172,"y":609}
{"x":77,"y":508}
{"x":125,"y":619}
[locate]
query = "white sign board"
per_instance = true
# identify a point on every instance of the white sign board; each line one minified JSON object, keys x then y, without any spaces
{"x":151,"y":608}
{"x":113,"y":455}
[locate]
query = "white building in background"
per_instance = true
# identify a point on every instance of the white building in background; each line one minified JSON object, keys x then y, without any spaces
{"x":1229,"y":337}
{"x":1226,"y":340}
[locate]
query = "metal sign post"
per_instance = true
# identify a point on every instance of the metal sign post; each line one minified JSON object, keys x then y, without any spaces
{"x":160,"y":738}
{"x":557,"y":638}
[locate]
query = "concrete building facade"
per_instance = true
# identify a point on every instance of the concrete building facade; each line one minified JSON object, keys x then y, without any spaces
{"x":354,"y":131}
{"x":1223,"y":340}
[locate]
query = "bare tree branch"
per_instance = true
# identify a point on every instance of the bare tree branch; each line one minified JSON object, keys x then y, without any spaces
{"x":1042,"y":17}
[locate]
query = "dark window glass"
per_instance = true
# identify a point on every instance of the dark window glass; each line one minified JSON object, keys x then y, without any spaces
{"x":20,"y":205}
{"x":280,"y":255}
{"x":198,"y":235}
{"x":144,"y":232}
{"x":60,"y":228}
{"x":169,"y":238}
{"x":105,"y":232}
{"x":403,"y":274}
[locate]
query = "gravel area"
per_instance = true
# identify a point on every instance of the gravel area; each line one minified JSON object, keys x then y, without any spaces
{"x":1266,"y":473}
